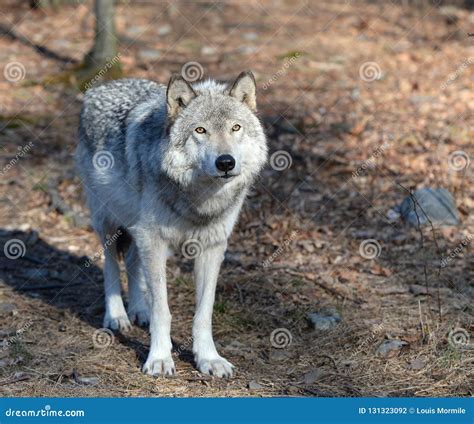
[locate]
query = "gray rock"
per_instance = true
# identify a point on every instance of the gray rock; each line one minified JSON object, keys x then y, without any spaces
{"x":390,"y":348}
{"x":164,"y":30}
{"x":416,"y":364}
{"x":8,"y":309}
{"x":87,"y":381}
{"x":279,"y":355}
{"x":323,"y":321}
{"x":208,"y":50}
{"x":149,"y":54}
{"x":312,"y":376}
{"x":436,"y":204}
{"x":418,"y":289}
{"x":250,"y":36}
{"x":253,"y":385}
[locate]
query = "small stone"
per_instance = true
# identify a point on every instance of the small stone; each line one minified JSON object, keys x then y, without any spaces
{"x":25,"y":227}
{"x":208,"y":50}
{"x":416,"y":364}
{"x":250,"y":36}
{"x":417,"y":290}
{"x":253,"y":385}
{"x":390,"y":348}
{"x":323,"y":321}
{"x":149,"y":54}
{"x":393,"y":215}
{"x":435,"y":205}
{"x":247,"y":49}
{"x":312,"y":376}
{"x":8,"y":309}
{"x":164,"y":30}
{"x":87,"y":381}
{"x":279,"y":355}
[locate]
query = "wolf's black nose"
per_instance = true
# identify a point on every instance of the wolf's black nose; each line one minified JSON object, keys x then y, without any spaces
{"x":225,"y":163}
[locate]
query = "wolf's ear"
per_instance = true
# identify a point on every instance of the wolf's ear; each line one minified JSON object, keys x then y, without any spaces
{"x":244,"y":89}
{"x":178,"y":95}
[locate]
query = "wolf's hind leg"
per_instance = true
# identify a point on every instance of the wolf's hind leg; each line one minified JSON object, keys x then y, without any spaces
{"x":138,"y":309}
{"x":115,"y":316}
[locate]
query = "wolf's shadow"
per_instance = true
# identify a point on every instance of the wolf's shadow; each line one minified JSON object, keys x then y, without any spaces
{"x":35,"y":269}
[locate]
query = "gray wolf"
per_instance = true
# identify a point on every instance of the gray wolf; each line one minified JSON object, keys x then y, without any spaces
{"x":169,"y":168}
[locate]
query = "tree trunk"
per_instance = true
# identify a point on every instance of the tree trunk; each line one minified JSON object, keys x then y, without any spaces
{"x":105,"y":42}
{"x":102,"y":62}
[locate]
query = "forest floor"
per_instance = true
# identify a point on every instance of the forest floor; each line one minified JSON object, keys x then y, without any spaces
{"x":368,"y":100}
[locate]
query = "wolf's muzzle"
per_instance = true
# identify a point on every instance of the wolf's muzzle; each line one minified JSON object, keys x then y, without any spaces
{"x":225,"y":163}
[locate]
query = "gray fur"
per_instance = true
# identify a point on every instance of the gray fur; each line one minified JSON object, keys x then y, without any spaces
{"x":164,"y":189}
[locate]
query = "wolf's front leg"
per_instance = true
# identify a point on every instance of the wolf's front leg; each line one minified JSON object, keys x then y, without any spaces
{"x":153,"y":252}
{"x":206,"y":270}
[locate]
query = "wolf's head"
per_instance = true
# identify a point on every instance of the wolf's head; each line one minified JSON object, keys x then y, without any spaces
{"x":214,"y":136}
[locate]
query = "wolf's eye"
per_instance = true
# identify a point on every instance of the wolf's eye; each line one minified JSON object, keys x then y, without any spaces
{"x":236,"y":127}
{"x":200,"y":130}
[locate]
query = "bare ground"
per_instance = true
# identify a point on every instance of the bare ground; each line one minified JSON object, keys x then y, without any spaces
{"x":357,"y":144}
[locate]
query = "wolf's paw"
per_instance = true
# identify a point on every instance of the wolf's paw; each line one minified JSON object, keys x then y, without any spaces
{"x":159,"y":366}
{"x":217,"y":366}
{"x":118,"y":323}
{"x":142,"y":317}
